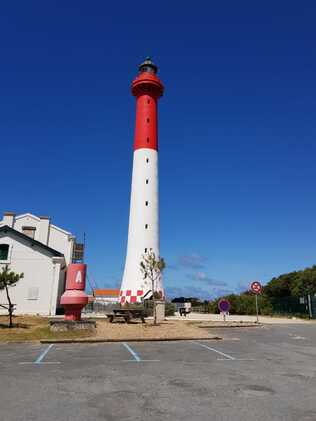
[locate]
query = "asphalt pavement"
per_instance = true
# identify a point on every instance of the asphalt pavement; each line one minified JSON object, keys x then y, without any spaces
{"x":262,"y":373}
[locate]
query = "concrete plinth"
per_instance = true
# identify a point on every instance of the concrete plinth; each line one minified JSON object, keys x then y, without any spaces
{"x":69,"y":325}
{"x":160,"y":310}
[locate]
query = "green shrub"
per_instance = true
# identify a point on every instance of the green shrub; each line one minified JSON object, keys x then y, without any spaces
{"x":170,"y":309}
{"x":244,"y":304}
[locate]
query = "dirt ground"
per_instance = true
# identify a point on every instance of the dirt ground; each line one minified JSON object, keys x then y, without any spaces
{"x":37,"y":328}
{"x":165,"y":330}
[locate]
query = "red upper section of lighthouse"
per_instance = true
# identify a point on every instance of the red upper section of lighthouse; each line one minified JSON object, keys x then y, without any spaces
{"x":147,"y":88}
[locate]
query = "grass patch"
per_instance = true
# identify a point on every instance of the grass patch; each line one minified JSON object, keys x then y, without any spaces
{"x":34,"y":328}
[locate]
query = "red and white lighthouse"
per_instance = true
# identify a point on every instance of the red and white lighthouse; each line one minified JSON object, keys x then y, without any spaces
{"x":143,"y":233}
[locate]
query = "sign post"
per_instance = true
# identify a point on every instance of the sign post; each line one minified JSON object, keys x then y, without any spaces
{"x":256,"y":288}
{"x":257,"y":310}
{"x":224,"y":307}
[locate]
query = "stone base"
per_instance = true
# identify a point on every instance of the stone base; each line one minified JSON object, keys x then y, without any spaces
{"x":68,"y":325}
{"x":160,"y":310}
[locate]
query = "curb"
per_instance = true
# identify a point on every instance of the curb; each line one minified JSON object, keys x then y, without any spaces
{"x":231,"y":326}
{"x":104,"y":340}
{"x":27,"y":341}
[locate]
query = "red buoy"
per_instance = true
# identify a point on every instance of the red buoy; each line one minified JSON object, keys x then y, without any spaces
{"x":74,"y":298}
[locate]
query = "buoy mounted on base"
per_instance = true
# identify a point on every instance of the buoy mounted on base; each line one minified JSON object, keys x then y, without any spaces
{"x":74,"y":298}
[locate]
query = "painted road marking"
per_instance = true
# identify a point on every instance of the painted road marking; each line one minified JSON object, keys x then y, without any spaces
{"x":39,"y":360}
{"x":48,"y":362}
{"x":297,"y":337}
{"x":43,"y":354}
{"x":227,"y":357}
{"x":137,"y":358}
{"x":141,"y":361}
{"x":134,"y":353}
{"x":236,"y":359}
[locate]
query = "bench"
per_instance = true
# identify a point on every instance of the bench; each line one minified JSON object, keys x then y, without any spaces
{"x":126,"y":314}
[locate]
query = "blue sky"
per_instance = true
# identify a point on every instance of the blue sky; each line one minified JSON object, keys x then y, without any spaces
{"x":237,"y":131}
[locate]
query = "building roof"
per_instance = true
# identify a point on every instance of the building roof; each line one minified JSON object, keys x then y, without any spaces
{"x":106,"y":292}
{"x":37,"y":218}
{"x":6,"y":229}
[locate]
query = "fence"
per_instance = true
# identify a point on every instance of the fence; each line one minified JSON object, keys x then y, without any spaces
{"x":290,"y":306}
{"x":313,"y":306}
{"x":201,"y":309}
{"x":300,"y":306}
{"x":99,"y":307}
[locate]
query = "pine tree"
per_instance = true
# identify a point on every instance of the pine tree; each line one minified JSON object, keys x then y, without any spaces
{"x":9,"y":279}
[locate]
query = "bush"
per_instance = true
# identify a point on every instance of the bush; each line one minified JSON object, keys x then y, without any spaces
{"x":170,"y":309}
{"x":244,"y":304}
{"x":148,"y":306}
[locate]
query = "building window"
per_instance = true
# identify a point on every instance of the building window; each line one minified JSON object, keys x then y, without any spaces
{"x":148,"y":120}
{"x":146,"y":203}
{"x":146,"y":226}
{"x":29,"y":231}
{"x":33,"y":293}
{"x":4,"y":251}
{"x":147,"y":139}
{"x":146,"y":250}
{"x":147,"y":181}
{"x":147,"y":160}
{"x":148,"y":101}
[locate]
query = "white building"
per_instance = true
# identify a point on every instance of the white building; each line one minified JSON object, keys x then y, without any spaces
{"x":106,"y":296}
{"x":42,"y":251}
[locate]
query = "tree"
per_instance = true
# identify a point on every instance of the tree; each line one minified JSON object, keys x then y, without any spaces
{"x":305,"y":282}
{"x":297,"y":284}
{"x":152,"y":268}
{"x":9,"y":279}
{"x":280,"y":286}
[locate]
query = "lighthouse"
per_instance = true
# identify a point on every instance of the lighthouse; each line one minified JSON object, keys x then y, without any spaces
{"x":143,"y":232}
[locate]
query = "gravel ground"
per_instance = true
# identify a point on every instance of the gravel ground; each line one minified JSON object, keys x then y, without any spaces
{"x":168,"y":329}
{"x":242,"y":318}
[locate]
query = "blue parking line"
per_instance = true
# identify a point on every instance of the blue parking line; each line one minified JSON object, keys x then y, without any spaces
{"x":134,"y":353}
{"x":43,"y":354}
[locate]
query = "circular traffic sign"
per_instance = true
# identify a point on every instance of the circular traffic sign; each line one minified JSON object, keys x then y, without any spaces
{"x":256,"y":287}
{"x":224,"y":305}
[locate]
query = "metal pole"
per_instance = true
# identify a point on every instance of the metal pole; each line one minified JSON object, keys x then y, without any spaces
{"x":257,"y":311}
{"x":84,"y":246}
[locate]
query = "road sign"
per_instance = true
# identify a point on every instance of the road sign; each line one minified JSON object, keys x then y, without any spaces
{"x":224,"y":305}
{"x":256,"y":287}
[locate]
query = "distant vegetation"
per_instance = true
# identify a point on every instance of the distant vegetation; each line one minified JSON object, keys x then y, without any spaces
{"x":285,"y":294}
{"x":295,"y":284}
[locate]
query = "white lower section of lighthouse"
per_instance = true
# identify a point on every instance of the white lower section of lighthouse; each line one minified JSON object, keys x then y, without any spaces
{"x":143,"y":233}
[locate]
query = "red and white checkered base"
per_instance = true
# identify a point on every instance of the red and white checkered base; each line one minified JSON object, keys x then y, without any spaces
{"x":129,"y":296}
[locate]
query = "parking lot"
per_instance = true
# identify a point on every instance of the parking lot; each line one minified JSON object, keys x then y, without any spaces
{"x":264,"y":373}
